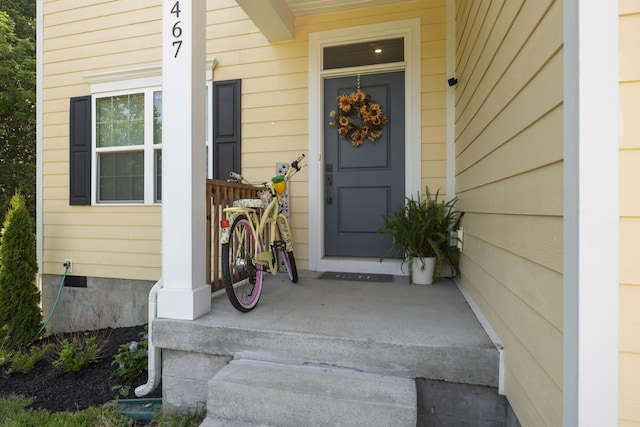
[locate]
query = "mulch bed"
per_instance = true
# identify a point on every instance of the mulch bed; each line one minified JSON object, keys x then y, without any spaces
{"x":56,"y":390}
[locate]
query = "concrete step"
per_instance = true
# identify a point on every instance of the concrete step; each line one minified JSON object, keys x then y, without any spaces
{"x":257,"y":393}
{"x":450,"y":361}
{"x":394,"y":329}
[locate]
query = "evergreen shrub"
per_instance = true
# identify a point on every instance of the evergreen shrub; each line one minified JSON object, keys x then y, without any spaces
{"x":20,"y":315}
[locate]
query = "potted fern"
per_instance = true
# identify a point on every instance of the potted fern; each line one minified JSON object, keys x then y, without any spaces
{"x":420,"y":230}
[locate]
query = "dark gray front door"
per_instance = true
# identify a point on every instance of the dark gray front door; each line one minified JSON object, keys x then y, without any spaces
{"x":362,"y":184}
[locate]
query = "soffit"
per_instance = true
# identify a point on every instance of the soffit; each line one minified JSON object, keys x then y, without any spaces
{"x":275,"y":18}
{"x":301,"y":8}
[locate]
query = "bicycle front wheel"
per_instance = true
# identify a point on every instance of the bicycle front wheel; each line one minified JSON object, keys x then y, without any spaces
{"x":288,"y":258}
{"x":290,"y":263}
{"x":242,"y":277}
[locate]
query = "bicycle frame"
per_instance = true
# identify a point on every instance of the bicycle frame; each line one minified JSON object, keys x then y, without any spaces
{"x":271,"y":220}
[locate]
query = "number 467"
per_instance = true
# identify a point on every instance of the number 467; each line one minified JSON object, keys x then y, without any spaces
{"x":176,"y":30}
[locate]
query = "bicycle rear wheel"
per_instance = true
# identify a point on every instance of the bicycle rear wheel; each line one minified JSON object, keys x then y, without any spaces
{"x":242,"y":277}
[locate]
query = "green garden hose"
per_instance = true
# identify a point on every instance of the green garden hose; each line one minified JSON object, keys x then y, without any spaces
{"x":55,"y":304}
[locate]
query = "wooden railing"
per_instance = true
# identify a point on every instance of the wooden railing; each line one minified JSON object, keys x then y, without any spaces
{"x":220,"y":194}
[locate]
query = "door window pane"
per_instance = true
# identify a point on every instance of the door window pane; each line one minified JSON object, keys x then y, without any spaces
{"x":365,"y":53}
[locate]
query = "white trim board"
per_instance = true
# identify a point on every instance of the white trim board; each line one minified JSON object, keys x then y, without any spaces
{"x":39,"y":136}
{"x":135,"y":78}
{"x":491,"y":333}
{"x":591,"y":274}
{"x":410,"y":31}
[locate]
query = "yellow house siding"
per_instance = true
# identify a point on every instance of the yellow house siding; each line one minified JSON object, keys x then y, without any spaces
{"x":629,"y":408}
{"x":509,"y":179}
{"x":275,"y":94}
{"x":93,"y":37}
{"x":433,"y":115}
{"x":102,"y":241}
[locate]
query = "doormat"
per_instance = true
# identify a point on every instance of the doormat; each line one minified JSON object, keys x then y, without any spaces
{"x":356,"y":277}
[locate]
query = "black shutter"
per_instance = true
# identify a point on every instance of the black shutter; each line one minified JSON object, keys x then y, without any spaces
{"x":226,"y":128}
{"x":80,"y":151}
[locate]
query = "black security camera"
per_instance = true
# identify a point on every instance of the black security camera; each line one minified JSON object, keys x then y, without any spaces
{"x":452,"y":81}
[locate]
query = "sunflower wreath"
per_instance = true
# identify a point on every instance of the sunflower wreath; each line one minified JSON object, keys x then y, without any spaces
{"x":358,"y":118}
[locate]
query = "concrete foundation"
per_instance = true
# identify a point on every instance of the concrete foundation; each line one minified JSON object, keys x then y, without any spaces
{"x":263,"y":393}
{"x":103,"y":303}
{"x":185,"y":378}
{"x":445,"y":404}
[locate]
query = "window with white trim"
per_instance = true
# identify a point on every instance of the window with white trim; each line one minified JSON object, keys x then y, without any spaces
{"x":127,"y":140}
{"x":115,"y":137}
{"x":127,"y":128}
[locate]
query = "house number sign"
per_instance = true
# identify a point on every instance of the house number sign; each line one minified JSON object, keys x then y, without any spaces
{"x":176,"y":29}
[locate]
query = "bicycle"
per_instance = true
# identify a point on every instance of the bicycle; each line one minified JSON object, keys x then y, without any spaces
{"x":245,"y":234}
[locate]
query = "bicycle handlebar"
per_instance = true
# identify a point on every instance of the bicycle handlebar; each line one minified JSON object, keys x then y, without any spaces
{"x":295,"y":165}
{"x":235,"y":176}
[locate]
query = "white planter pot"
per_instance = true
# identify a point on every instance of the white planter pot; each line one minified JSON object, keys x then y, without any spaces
{"x":422,"y":270}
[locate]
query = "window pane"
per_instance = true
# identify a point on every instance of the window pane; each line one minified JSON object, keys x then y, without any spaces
{"x":121,"y":176}
{"x":366,"y":53}
{"x":104,"y":133}
{"x":157,"y":117}
{"x":107,"y":188}
{"x":120,"y":120}
{"x":123,"y":188}
{"x":158,"y":175}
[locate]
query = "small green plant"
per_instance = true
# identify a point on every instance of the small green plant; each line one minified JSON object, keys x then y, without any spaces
{"x":76,"y":354}
{"x":25,"y":362}
{"x":420,"y":229}
{"x":5,"y":356}
{"x":6,"y":348}
{"x":132,"y":360}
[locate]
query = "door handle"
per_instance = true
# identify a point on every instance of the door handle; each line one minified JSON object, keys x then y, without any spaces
{"x":329,"y":183}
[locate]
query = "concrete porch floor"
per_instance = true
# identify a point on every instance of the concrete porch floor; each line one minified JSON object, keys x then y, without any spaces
{"x":398,"y":329}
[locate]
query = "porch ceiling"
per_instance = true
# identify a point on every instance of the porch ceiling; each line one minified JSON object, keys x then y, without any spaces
{"x":275,"y":18}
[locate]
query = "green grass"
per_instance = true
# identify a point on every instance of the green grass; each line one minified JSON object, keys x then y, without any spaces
{"x":12,"y":406}
{"x":190,"y":419}
{"x":14,"y":413}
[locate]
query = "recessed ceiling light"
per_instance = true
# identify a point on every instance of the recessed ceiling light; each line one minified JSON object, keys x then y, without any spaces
{"x":378,"y":50}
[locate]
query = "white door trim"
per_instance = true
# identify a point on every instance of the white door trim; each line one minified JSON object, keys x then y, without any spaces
{"x":410,"y":31}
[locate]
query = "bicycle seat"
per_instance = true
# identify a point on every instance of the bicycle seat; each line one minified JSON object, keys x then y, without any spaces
{"x":247,"y":203}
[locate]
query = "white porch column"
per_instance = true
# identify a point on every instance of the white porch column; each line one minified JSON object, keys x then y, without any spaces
{"x":185,"y":294}
{"x":591,"y":218}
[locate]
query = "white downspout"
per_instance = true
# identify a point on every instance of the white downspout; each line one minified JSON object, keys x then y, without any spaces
{"x":154,"y":366}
